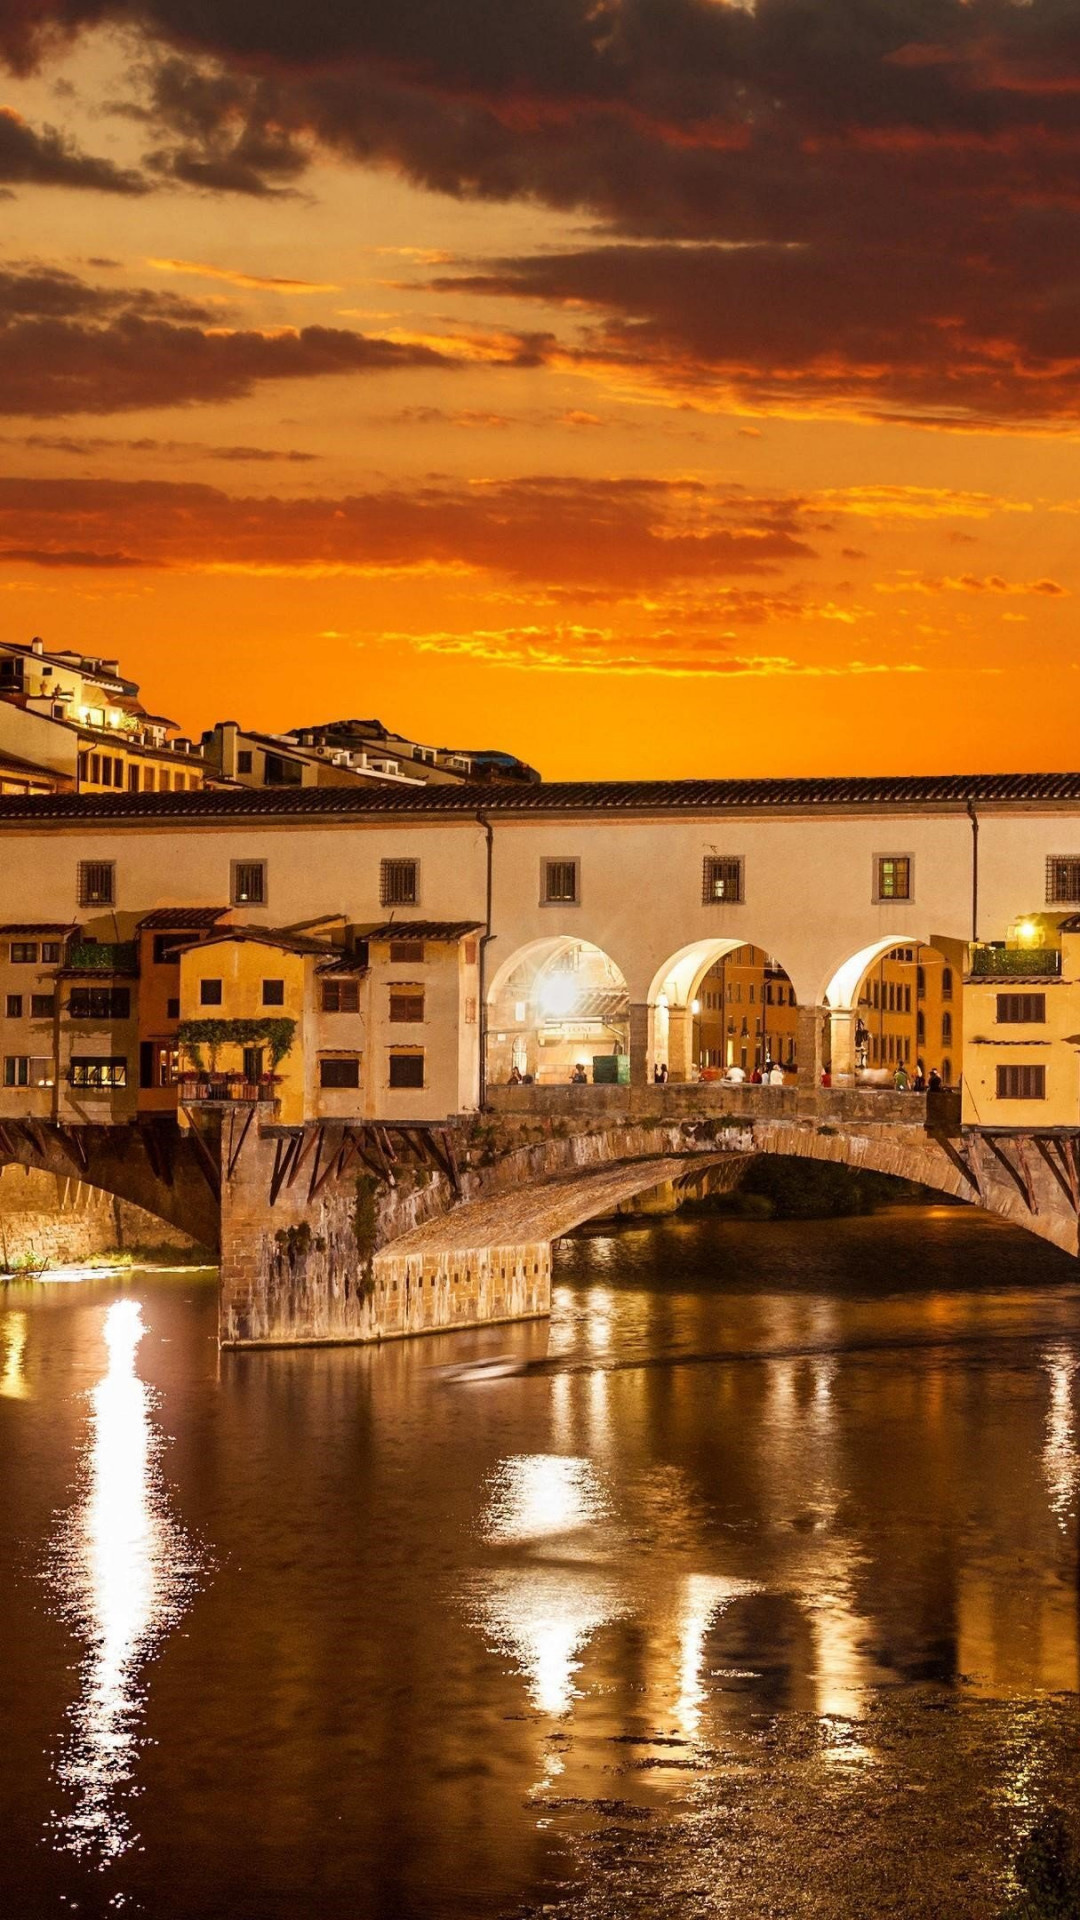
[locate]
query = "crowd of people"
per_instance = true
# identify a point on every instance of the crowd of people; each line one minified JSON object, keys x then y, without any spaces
{"x":772,"y":1074}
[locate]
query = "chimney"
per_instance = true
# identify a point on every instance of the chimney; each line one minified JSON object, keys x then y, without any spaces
{"x":37,"y":645}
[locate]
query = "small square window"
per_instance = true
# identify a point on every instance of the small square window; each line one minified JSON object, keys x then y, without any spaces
{"x":344,"y":1072}
{"x":210,"y":993}
{"x":893,"y":875}
{"x":407,"y":1069}
{"x":1062,"y":880}
{"x":42,"y":1006}
{"x":560,"y":883}
{"x":97,"y":883}
{"x":340,"y":996}
{"x":14,"y":1006}
{"x":399,"y":883}
{"x":273,"y":993}
{"x":407,"y":952}
{"x":721,"y":879}
{"x":24,"y":953}
{"x":249,"y":883}
{"x":406,"y":1004}
{"x":243,"y":760}
{"x":50,"y":953}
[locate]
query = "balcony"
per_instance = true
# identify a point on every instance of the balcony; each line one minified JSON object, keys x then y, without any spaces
{"x":216,"y":1089}
{"x":101,"y":956}
{"x":1027,"y":962}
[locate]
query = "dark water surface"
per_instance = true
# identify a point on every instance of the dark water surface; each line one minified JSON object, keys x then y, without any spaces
{"x":755,"y":1595}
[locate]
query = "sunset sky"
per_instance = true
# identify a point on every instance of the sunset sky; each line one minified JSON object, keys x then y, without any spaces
{"x":648,"y":387}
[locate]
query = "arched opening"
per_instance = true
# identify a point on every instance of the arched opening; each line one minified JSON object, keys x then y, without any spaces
{"x":897,"y":1013}
{"x":723,"y":1009}
{"x":558,"y":1011}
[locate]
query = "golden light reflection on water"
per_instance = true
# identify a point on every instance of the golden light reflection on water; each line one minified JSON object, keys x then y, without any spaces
{"x":541,"y":1496}
{"x":13,"y":1332}
{"x":1061,"y":1462}
{"x":704,"y":1598}
{"x":123,"y":1572}
{"x":542,"y":1619}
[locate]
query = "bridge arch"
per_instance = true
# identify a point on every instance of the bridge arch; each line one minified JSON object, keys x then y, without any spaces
{"x":556,"y":1007}
{"x":172,"y":1174}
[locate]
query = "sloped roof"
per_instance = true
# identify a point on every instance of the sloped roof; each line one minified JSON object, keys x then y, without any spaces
{"x":611,"y":796}
{"x":434,"y":930}
{"x":266,"y":937}
{"x":178,"y":919}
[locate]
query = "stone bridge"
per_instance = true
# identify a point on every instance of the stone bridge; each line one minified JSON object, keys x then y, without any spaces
{"x":351,"y":1232}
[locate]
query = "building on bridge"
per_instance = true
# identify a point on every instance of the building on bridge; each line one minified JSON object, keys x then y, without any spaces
{"x":606,"y":921}
{"x":75,"y":723}
{"x":1022,"y":1045}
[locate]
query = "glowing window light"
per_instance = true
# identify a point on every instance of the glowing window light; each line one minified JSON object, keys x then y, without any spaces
{"x":1027,"y":933}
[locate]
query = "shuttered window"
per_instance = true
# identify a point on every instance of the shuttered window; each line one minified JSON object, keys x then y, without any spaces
{"x":409,"y":952}
{"x":100,"y":1003}
{"x":341,"y":996}
{"x":559,"y":883}
{"x":340,"y":1073}
{"x":406,"y":1004}
{"x":1062,"y":880}
{"x":97,"y":883}
{"x":1021,"y":1009}
{"x":1021,"y":1083}
{"x":407,"y":1069}
{"x":721,"y":878}
{"x":399,"y":883}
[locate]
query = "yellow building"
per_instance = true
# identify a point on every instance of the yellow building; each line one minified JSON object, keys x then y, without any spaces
{"x":746,"y":1015}
{"x":910,"y":1013}
{"x":1022,"y":1027}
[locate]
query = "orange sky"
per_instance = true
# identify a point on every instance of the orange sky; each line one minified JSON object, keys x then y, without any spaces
{"x":663,"y":387}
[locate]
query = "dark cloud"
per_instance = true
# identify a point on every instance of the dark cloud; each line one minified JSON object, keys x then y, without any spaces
{"x":69,"y":557}
{"x":87,"y":446}
{"x":630,"y":533}
{"x":68,"y":347}
{"x":884,"y":193}
{"x":47,"y":159}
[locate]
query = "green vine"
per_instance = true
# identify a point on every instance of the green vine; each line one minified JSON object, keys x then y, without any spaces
{"x":194,"y":1035}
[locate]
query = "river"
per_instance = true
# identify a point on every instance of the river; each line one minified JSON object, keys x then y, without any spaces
{"x":754,"y":1594}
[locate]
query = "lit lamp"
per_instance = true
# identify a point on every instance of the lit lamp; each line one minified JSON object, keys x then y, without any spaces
{"x":557,"y":996}
{"x":1027,"y":933}
{"x":695,"y":1006}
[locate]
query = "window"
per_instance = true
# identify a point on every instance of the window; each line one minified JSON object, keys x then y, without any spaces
{"x":210,"y":993}
{"x":164,"y":781}
{"x":721,"y":879}
{"x":946,"y":983}
{"x":148,"y":779}
{"x":399,"y":883}
{"x":407,"y":1069}
{"x":100,"y":1003}
{"x":91,"y":1071}
{"x":50,"y":953}
{"x":407,"y":952}
{"x":243,"y":760}
{"x":559,"y":883}
{"x":253,"y":1064}
{"x":172,"y":1009}
{"x":946,"y":1073}
{"x":24,"y":953}
{"x":920,"y":982}
{"x":1062,"y":881}
{"x":133,"y":776}
{"x":341,"y":996}
{"x":273,"y":993}
{"x":97,"y":883}
{"x":344,"y":1072}
{"x":27,"y":1070}
{"x":14,"y":1006}
{"x":1021,"y":1009}
{"x":893,"y":876}
{"x":166,"y":948}
{"x":920,"y":1029}
{"x":946,"y":1029}
{"x":42,"y":1006}
{"x":95,"y":769}
{"x":1021,"y":1083}
{"x":249,"y":883}
{"x":406,"y":1003}
{"x":159,"y":1063}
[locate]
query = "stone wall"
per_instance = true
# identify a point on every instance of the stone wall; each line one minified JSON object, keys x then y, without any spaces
{"x":45,"y":1216}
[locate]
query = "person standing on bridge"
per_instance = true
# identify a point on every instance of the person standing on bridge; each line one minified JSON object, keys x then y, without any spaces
{"x":776,"y":1074}
{"x":900,"y":1079}
{"x":933,"y":1081}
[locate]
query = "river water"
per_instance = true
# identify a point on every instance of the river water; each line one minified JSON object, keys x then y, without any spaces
{"x":755,"y":1594}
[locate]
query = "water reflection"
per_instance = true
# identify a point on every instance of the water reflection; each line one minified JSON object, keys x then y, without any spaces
{"x":542,"y":1620}
{"x":13,"y":1331}
{"x":541,"y":1497}
{"x":1061,"y":1463}
{"x":705,"y":1596}
{"x":124,"y":1573}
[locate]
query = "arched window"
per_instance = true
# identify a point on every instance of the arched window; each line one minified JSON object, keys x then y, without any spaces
{"x":946,"y":983}
{"x":920,"y":1028}
{"x":946,"y":1029}
{"x":946,"y":1072}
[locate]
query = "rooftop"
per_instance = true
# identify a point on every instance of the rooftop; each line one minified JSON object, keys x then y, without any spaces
{"x":580,"y":796}
{"x":178,"y":919}
{"x":420,"y":930}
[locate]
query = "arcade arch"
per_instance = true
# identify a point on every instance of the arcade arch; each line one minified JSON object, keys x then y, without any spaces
{"x":558,"y":1008}
{"x":718,"y":1005}
{"x":897,"y":1002}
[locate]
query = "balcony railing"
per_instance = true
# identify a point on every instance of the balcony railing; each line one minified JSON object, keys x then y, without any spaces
{"x":199,"y":1088}
{"x":1016,"y":960}
{"x":101,"y":956}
